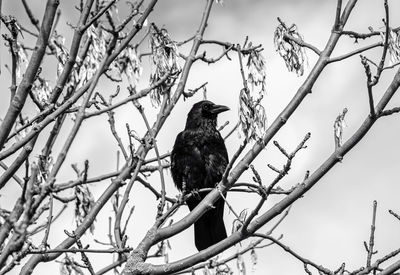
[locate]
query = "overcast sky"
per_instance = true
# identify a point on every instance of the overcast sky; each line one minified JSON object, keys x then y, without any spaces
{"x":331,"y":222}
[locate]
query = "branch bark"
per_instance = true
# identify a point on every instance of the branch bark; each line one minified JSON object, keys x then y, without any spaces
{"x":23,"y":89}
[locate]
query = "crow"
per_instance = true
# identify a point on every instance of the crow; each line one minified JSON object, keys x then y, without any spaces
{"x":198,"y":160}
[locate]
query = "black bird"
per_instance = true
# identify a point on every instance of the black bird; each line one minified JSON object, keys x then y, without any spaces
{"x":198,"y":160}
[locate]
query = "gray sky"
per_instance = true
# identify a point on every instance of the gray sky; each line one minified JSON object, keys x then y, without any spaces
{"x":331,"y":222}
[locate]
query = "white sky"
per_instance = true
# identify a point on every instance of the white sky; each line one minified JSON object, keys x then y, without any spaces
{"x":331,"y":222}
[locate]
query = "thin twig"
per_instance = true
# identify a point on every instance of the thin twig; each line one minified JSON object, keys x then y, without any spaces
{"x":153,"y":190}
{"x":49,"y":221}
{"x":230,"y":207}
{"x":37,"y":117}
{"x":14,"y":176}
{"x":302,"y":43}
{"x":29,"y":32}
{"x":287,"y":166}
{"x":369,"y":86}
{"x":153,"y":143}
{"x":185,"y":41}
{"x":44,"y":225}
{"x":385,"y":46}
{"x":132,"y":97}
{"x":127,"y":220}
{"x":124,"y":201}
{"x":241,"y":68}
{"x":222,"y":127}
{"x":85,"y":258}
{"x":306,"y":261}
{"x":111,"y":121}
{"x":338,"y":14}
{"x":370,"y":248}
{"x":358,"y":51}
{"x":391,"y":66}
{"x":34,"y":20}
{"x":397,"y":216}
{"x":134,"y":11}
{"x":253,"y":213}
{"x":231,"y":131}
{"x":79,"y":250}
{"x":203,"y":57}
{"x":98,"y":15}
{"x":232,"y":161}
{"x":150,"y":160}
{"x":191,"y":92}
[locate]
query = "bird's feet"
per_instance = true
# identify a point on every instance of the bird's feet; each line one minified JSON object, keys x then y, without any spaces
{"x":181,"y":197}
{"x":196,"y":194}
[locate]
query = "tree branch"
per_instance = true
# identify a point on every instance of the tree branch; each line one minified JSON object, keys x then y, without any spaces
{"x":350,"y":54}
{"x":30,"y":73}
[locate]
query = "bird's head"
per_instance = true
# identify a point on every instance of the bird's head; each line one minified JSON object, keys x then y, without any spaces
{"x":204,"y":112}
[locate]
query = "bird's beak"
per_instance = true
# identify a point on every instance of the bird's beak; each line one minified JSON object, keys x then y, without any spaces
{"x":216,"y":109}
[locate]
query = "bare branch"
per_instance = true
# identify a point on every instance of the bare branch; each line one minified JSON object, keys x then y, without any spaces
{"x":132,"y":97}
{"x":358,"y":51}
{"x":305,"y":261}
{"x":98,"y":15}
{"x":192,"y":92}
{"x":75,"y":97}
{"x":49,"y":109}
{"x":397,"y":216}
{"x":30,"y":73}
{"x":203,"y":57}
{"x":153,"y":190}
{"x":43,"y":226}
{"x":85,"y":259}
{"x":391,"y":66}
{"x":338,"y":14}
{"x":153,"y":143}
{"x":302,"y":43}
{"x":34,"y":20}
{"x":233,"y":159}
{"x":150,"y":160}
{"x":79,"y":250}
{"x":369,"y":86}
{"x":370,"y":248}
{"x":111,"y":121}
{"x":14,"y":176}
{"x":35,"y":259}
{"x":300,"y":190}
{"x":233,"y":47}
{"x":49,"y":221}
{"x":385,"y":46}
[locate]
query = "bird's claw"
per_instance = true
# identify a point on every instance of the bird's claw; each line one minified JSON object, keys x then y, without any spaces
{"x":195,"y":193}
{"x":181,"y":198}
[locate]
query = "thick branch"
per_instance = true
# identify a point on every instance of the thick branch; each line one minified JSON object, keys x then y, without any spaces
{"x":23,"y":89}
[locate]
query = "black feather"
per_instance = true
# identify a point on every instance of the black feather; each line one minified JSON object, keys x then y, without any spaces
{"x":198,"y":160}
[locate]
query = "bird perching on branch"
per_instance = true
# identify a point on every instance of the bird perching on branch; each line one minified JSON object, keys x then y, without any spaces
{"x":198,"y":160}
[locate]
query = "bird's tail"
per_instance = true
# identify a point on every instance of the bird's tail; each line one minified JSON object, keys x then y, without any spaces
{"x":209,"y":229}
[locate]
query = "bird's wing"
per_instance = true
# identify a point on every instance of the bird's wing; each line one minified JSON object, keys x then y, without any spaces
{"x":187,"y":163}
{"x":215,"y":160}
{"x":186,"y":146}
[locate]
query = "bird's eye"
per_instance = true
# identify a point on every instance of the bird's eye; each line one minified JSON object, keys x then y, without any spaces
{"x":206,"y":107}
